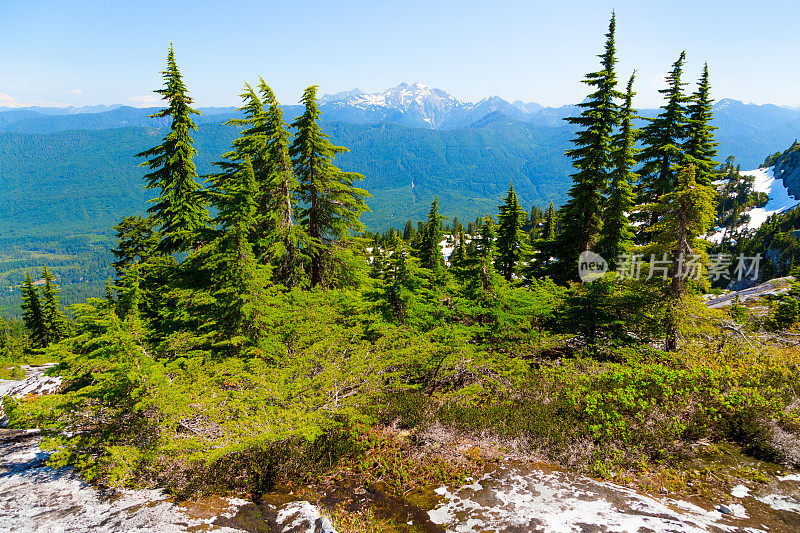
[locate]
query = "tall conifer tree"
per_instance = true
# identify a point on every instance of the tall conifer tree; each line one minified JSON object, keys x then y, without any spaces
{"x":483,"y":260}
{"x":617,"y":233}
{"x":591,"y":158}
{"x":286,"y":240}
{"x":549,"y":225}
{"x":240,"y":282}
{"x":333,"y":206}
{"x":682,"y":214}
{"x":430,"y":252}
{"x":250,"y":145}
{"x":700,"y":148}
{"x":180,"y":208}
{"x":54,"y":320}
{"x":137,"y":241}
{"x":511,"y":246}
{"x":32,"y":314}
{"x":662,"y":140}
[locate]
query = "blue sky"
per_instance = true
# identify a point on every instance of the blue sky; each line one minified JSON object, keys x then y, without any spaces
{"x":87,"y":52}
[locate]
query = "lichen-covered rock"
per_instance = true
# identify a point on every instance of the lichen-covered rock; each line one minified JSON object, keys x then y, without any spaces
{"x":303,"y":517}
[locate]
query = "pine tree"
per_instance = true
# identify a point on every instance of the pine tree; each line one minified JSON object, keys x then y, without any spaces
{"x":699,"y":147}
{"x":54,"y":320}
{"x":180,"y":209}
{"x":402,"y":284}
{"x":332,"y":205}
{"x":681,"y":215}
{"x":511,"y":246}
{"x":430,"y":251}
{"x":533,"y":222}
{"x":286,"y":240}
{"x":137,"y":241}
{"x":481,"y":272}
{"x":591,"y":157}
{"x":485,"y":243}
{"x":239,"y":283}
{"x":662,"y":140}
{"x":616,"y":235}
{"x":129,"y":293}
{"x":32,"y":314}
{"x":409,"y":231}
{"x":459,"y":254}
{"x":5,"y":339}
{"x":249,"y":145}
{"x":549,"y":225}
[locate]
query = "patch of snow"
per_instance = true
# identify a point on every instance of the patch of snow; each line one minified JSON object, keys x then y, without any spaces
{"x":781,"y":502}
{"x":740,"y":491}
{"x":779,"y":198}
{"x":738,"y":510}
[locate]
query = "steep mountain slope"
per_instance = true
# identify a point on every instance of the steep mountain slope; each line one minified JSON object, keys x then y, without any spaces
{"x":787,"y":167}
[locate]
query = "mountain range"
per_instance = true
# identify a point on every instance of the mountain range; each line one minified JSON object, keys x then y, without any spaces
{"x":747,"y":131}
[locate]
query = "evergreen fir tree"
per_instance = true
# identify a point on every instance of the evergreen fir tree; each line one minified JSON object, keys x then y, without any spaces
{"x":129,"y":293}
{"x":137,"y":241}
{"x":409,"y":231}
{"x":699,"y":147}
{"x":533,"y":222}
{"x":511,"y":246}
{"x":430,"y":251}
{"x":240,"y":283}
{"x":332,"y":205}
{"x":459,"y":254}
{"x":662,"y":140}
{"x":481,"y":272}
{"x":616,"y":235}
{"x":286,"y":241}
{"x":485,"y":243}
{"x":549,"y":225}
{"x":592,"y":159}
{"x":681,"y":215}
{"x":5,"y":338}
{"x":32,"y":314}
{"x":403,"y":282}
{"x":249,"y":145}
{"x":54,"y":320}
{"x":180,"y":208}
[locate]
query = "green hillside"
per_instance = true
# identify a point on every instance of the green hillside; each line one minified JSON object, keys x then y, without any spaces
{"x":65,"y":190}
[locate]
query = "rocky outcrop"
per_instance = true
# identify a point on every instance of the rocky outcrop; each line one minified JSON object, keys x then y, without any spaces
{"x":787,"y":168}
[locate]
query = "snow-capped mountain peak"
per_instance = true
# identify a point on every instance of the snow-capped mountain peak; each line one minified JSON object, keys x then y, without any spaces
{"x":420,"y":102}
{"x":418,"y":105}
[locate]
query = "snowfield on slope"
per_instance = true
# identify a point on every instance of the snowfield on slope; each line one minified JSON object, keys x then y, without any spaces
{"x":779,"y":199}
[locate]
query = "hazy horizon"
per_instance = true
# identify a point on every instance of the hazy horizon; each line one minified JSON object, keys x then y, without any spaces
{"x":91,"y":53}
